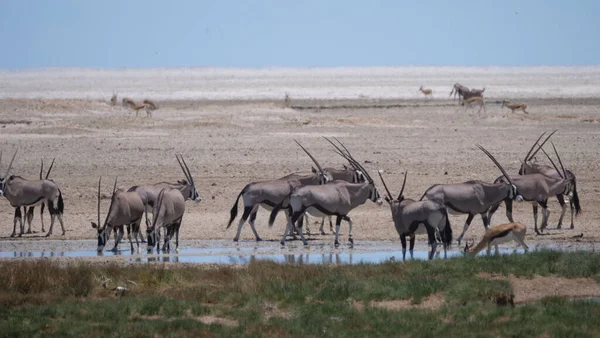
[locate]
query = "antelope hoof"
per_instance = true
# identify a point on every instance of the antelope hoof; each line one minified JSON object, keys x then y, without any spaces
{"x":572,"y":227}
{"x":63,"y":233}
{"x":13,"y":234}
{"x":258,"y":239}
{"x":29,"y":231}
{"x":235,"y":239}
{"x":350,"y":240}
{"x":323,"y":233}
{"x":282,"y":243}
{"x":559,"y":226}
{"x":48,"y":234}
{"x":336,"y":243}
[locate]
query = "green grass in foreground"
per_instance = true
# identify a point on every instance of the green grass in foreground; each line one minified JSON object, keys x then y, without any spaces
{"x":42,"y":298}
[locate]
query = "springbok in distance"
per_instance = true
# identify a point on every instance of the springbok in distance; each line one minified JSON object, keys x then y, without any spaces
{"x":333,"y":198}
{"x":537,"y":188}
{"x":168,"y":213}
{"x":499,"y":234}
{"x":125,"y":210}
{"x":268,"y":194}
{"x":348,"y":174}
{"x":515,"y":106}
{"x":426,"y":92}
{"x":529,"y":167}
{"x":474,"y":197}
{"x":113,"y":99}
{"x":24,"y":193}
{"x":416,"y":217}
{"x":149,"y":193}
{"x":130,"y":104}
{"x":474,"y":100}
{"x":29,"y":212}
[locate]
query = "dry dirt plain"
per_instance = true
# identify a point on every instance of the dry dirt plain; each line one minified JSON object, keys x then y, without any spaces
{"x":228,"y":144}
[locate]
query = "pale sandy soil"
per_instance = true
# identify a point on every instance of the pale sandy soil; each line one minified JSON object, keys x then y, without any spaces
{"x":230,"y":143}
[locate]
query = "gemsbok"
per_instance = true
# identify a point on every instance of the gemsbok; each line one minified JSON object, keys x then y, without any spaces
{"x":474,"y":197}
{"x":515,"y":106}
{"x":348,"y":174}
{"x":28,"y":212}
{"x":499,"y":234}
{"x":426,"y":92}
{"x":149,"y":193}
{"x":464,"y":92}
{"x":336,"y":198}
{"x":537,"y":188}
{"x":168,"y":213}
{"x":529,"y":167}
{"x":25,"y":193}
{"x":417,"y":217}
{"x":126,"y":210}
{"x":268,"y":194}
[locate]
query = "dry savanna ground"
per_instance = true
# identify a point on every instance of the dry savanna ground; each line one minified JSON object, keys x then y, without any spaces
{"x":228,"y":144}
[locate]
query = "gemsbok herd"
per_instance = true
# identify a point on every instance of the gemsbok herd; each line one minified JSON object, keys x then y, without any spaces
{"x":323,"y":192}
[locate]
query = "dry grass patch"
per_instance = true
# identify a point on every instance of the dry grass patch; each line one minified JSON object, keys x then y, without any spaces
{"x":527,"y":290}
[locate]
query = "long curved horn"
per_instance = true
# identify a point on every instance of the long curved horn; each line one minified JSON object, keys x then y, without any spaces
{"x":356,"y":165}
{"x":0,"y":157}
{"x":42,"y":170}
{"x":188,"y":170}
{"x":99,"y":184}
{"x":541,"y":145}
{"x":553,"y":164}
{"x":343,"y":146}
{"x":533,"y":146}
{"x":182,"y":168}
{"x":311,"y":157}
{"x":10,"y":165}
{"x":345,"y":152}
{"x":403,"y":184}
{"x":559,"y":161}
{"x":115,"y":186}
{"x":495,"y":162}
{"x":50,"y":169}
{"x":385,"y":185}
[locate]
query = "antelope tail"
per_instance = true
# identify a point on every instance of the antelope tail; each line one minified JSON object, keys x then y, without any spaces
{"x":60,"y":207}
{"x":447,"y":232}
{"x":576,"y":198}
{"x":425,"y":193}
{"x":234,"y":210}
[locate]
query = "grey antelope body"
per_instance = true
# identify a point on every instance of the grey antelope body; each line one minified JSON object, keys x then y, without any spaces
{"x":149,"y":193}
{"x":126,"y":210}
{"x":473,"y":197}
{"x":268,"y":194}
{"x":534,"y":188}
{"x":530,"y":167}
{"x":415,"y":217}
{"x":25,"y":193}
{"x":499,"y":234}
{"x":348,"y":174}
{"x":168,"y":213}
{"x":28,"y":212}
{"x":464,"y":92}
{"x":336,"y":198}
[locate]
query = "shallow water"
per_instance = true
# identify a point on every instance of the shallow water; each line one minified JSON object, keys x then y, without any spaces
{"x":227,"y":252}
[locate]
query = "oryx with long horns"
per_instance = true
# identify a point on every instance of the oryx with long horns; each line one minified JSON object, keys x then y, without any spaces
{"x":473,"y":197}
{"x":336,"y":198}
{"x":168,"y":213}
{"x":537,"y":188}
{"x":187,"y":187}
{"x":268,"y":194}
{"x":28,"y":212}
{"x":126,"y":210}
{"x":346,"y":173}
{"x":25,"y":193}
{"x":530,"y":167}
{"x":416,"y":217}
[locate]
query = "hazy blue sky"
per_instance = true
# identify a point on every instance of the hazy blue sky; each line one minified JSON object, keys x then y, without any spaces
{"x":297,"y":33}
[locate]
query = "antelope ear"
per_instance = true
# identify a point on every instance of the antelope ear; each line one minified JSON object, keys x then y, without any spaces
{"x":94,"y":225}
{"x":313,"y":169}
{"x":387,"y":199}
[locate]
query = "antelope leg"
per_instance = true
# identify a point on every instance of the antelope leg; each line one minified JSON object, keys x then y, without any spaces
{"x":535,"y":211}
{"x":322,"y":225}
{"x":403,"y":241}
{"x":300,"y":221}
{"x":338,"y":221}
{"x":346,"y":218}
{"x":432,"y":241}
{"x":251,"y":221}
{"x":466,"y":226}
{"x":29,"y":218}
{"x":15,"y":220}
{"x":247,"y":211}
{"x":412,"y":245}
{"x":42,"y":216}
{"x":563,"y":205}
